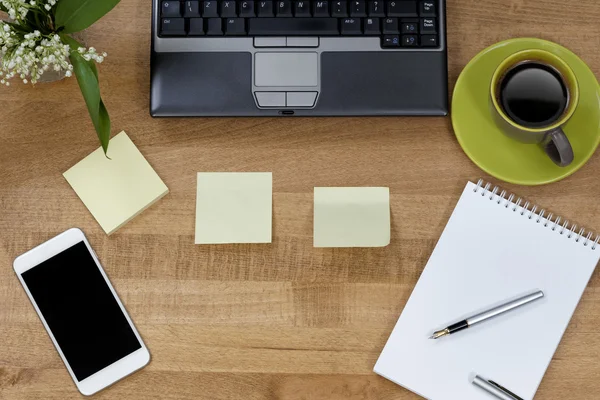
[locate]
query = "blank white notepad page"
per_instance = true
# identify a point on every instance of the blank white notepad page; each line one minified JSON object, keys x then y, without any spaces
{"x":488,"y":254}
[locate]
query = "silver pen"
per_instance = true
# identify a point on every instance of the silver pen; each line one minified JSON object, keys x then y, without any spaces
{"x":495,"y":389}
{"x":484,"y":316}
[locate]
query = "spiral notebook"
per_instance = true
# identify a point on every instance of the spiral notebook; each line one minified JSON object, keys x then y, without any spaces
{"x":495,"y":247}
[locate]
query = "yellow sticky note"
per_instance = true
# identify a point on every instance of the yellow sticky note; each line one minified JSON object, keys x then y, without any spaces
{"x":116,"y":190}
{"x":352,"y":217}
{"x":234,"y":207}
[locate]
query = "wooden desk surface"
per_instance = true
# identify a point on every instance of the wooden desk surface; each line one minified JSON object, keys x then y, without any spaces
{"x":279,"y":321}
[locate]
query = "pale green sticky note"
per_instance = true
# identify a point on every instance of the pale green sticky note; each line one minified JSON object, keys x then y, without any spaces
{"x":352,"y":217}
{"x":116,"y":190}
{"x":234,"y":207}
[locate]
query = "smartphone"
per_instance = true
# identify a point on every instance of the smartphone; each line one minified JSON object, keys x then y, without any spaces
{"x":81,"y":311}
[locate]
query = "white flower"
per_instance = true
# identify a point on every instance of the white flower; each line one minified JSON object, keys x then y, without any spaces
{"x":26,"y":55}
{"x":47,"y":7}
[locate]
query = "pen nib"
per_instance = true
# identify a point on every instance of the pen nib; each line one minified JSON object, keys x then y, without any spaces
{"x":439,"y":334}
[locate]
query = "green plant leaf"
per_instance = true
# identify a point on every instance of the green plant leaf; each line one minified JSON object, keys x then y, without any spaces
{"x":87,"y":78}
{"x":77,"y":15}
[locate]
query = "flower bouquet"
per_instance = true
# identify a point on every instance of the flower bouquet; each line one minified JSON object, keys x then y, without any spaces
{"x":36,"y":39}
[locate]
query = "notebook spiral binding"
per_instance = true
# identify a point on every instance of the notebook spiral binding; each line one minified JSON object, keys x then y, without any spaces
{"x":532,"y":213}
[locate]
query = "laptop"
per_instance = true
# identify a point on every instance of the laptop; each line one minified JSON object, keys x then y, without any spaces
{"x":298,"y":58}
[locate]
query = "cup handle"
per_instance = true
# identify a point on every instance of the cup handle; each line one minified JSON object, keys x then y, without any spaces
{"x":557,"y":146}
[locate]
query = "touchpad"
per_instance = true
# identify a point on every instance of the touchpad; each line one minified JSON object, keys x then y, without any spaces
{"x":286,"y":69}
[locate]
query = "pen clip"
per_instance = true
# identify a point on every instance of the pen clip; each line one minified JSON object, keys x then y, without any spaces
{"x":505,"y":390}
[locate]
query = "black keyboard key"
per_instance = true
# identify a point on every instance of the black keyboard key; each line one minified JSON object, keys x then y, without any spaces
{"x":196,"y":27}
{"x":302,"y":8}
{"x":321,"y":9}
{"x":376,"y":9}
{"x":213,"y":27}
{"x":410,"y":40}
{"x":401,"y":8}
{"x":191,"y":9}
{"x":339,"y":9}
{"x":171,"y":9}
{"x":428,"y":25}
{"x":390,"y":41}
{"x":265,"y":9}
{"x":350,"y":26}
{"x":247,"y":9}
{"x":209,"y":9}
{"x":234,"y":26}
{"x":358,"y":8}
{"x":390,"y":26}
{"x":228,"y":9}
{"x":283,"y":8}
{"x":371,"y":26}
{"x":427,"y":9}
{"x":172,"y":27}
{"x":429,"y":41}
{"x":293,"y":26}
{"x":409,"y":27}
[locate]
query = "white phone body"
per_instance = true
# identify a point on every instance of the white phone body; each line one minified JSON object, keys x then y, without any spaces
{"x":118,"y":369}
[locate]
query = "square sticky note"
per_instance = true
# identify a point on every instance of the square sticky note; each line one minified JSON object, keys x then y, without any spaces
{"x":118,"y":188}
{"x":352,"y":217}
{"x":234,"y":207}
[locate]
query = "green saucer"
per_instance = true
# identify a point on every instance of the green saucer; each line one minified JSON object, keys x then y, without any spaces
{"x":505,"y":158}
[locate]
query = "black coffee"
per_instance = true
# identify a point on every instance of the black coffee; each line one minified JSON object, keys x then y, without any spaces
{"x":533,"y":95}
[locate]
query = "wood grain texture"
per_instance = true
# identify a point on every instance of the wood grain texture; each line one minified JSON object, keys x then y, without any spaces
{"x":265,"y":322}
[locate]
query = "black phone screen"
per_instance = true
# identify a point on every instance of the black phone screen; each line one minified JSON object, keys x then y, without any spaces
{"x":81,"y":311}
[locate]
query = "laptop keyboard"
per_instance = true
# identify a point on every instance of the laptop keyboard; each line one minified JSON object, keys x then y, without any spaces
{"x":399,"y":23}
